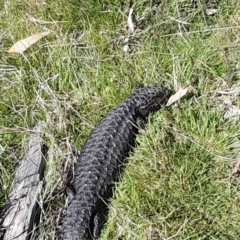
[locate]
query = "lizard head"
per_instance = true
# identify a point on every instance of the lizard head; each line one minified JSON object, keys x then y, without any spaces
{"x":150,"y":99}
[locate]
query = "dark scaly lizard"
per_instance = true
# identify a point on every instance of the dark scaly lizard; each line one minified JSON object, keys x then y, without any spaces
{"x":101,"y":159}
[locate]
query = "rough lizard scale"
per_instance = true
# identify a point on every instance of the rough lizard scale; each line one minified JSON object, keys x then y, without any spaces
{"x":101,"y":158}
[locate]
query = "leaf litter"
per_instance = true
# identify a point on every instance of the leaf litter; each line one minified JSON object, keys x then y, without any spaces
{"x":23,"y":44}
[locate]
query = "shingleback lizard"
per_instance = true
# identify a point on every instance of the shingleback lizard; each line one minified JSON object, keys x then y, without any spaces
{"x":101,"y":160}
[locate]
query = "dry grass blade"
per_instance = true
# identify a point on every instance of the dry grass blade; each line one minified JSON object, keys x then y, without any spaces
{"x":235,"y":92}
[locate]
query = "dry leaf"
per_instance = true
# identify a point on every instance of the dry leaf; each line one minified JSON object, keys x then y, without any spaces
{"x":210,"y":11}
{"x":129,"y":21}
{"x":22,"y":45}
{"x":232,"y":111}
{"x":179,"y":94}
{"x":126,"y":48}
{"x":236,"y":168}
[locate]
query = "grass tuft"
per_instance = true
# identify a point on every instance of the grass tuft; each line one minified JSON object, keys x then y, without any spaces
{"x":177,"y":183}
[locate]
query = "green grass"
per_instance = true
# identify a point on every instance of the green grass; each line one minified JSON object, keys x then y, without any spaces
{"x":176,"y":184}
